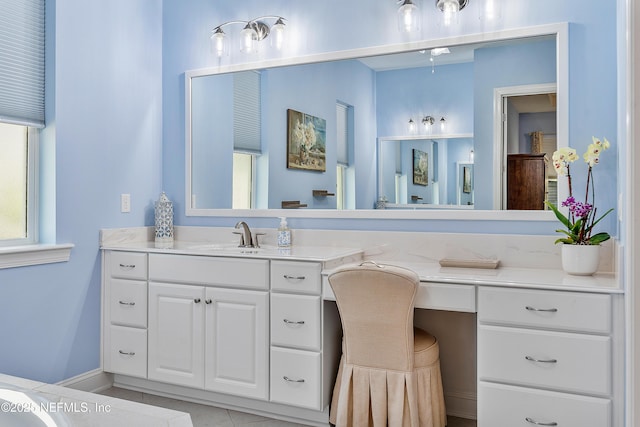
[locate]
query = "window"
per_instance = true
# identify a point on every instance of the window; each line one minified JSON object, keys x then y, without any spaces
{"x":345,"y":182}
{"x":243,"y":182}
{"x":247,"y":118}
{"x":17,"y":184}
{"x":340,"y":186}
{"x":21,"y":114}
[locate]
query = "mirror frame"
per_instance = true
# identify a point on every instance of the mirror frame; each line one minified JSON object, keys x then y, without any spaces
{"x":559,"y":30}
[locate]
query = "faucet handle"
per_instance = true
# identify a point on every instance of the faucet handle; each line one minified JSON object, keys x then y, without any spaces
{"x":256,"y":242}
{"x":242,"y":242}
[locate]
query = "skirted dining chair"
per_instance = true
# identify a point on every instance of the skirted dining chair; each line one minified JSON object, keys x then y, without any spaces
{"x":389,"y":372}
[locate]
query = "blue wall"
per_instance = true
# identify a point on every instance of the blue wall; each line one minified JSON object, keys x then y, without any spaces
{"x":212,"y":135}
{"x":115,"y":124}
{"x":103,"y":138}
{"x":314,"y":90}
{"x":417,"y":92}
{"x":532,"y":122}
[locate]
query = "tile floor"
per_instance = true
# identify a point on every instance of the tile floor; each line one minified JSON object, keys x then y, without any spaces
{"x":210,"y":416}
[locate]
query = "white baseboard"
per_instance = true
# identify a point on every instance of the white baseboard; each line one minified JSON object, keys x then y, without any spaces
{"x":461,"y":405}
{"x":92,"y":381}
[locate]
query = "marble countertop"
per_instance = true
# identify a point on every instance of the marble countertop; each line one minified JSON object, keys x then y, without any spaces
{"x":294,"y":253}
{"x":553,"y":279}
{"x":403,"y":253}
{"x":70,"y":407}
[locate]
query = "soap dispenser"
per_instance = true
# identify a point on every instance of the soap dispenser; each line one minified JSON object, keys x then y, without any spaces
{"x":284,"y":234}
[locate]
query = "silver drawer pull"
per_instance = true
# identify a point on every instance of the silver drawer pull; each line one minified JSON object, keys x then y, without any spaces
{"x":291,"y":322}
{"x":126,"y":303}
{"x":533,"y":359}
{"x":286,"y":276}
{"x":286,"y":378}
{"x":127,"y":266}
{"x":545,"y":310}
{"x":540,"y":423}
{"x":127,"y":353}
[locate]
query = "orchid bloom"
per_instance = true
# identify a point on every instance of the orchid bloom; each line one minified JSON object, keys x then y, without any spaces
{"x":561,"y":159}
{"x":592,"y":155}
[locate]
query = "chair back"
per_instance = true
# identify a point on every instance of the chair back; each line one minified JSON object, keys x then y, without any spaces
{"x":376,"y":304}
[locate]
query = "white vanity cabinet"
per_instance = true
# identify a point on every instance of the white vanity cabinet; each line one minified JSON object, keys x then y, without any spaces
{"x":125,"y":313}
{"x":208,"y":323}
{"x":544,"y":358}
{"x":239,"y":331}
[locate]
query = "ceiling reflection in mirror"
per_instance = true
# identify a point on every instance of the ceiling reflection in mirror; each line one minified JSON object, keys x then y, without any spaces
{"x":241,"y":145}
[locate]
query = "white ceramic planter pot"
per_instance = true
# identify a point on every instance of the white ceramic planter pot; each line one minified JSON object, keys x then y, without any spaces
{"x":580,"y":260}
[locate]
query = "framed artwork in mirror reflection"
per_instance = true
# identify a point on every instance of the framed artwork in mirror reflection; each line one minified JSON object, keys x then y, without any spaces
{"x":466,"y":179}
{"x":420,"y":167}
{"x":306,"y":141}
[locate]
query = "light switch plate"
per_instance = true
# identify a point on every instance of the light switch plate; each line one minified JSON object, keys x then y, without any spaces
{"x":125,"y":203}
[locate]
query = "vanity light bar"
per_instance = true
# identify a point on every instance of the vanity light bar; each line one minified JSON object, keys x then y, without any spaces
{"x":254,"y":30}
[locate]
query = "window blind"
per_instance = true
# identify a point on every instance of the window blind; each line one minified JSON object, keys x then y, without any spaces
{"x":22,"y":62}
{"x":246,"y":112}
{"x":342,"y":134}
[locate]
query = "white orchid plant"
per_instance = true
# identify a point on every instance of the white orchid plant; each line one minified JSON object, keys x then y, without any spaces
{"x":582,"y":215}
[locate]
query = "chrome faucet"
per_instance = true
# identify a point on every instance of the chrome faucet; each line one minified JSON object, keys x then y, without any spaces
{"x":245,"y":235}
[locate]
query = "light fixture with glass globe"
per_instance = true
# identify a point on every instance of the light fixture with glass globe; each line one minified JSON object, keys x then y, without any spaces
{"x":450,"y":8}
{"x":408,"y":17}
{"x":253,"y":32}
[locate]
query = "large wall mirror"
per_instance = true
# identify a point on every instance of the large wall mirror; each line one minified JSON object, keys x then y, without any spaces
{"x":329,"y":135}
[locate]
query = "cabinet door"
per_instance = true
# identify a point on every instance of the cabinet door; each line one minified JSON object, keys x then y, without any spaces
{"x":236,"y":343}
{"x":525,"y":181}
{"x":176,"y":334}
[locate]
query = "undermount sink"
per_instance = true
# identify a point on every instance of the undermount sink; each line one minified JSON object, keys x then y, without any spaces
{"x":232,"y":248}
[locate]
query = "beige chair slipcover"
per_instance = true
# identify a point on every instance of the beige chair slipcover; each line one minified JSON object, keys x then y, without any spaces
{"x":389,"y":372}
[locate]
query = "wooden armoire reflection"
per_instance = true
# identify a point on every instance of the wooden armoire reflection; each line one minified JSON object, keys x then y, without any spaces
{"x":526,"y":181}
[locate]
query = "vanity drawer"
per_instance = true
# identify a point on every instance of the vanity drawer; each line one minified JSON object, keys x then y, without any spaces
{"x":557,"y":360}
{"x":127,"y":265}
{"x":570,"y":311}
{"x":295,"y":321}
{"x":128,"y":302}
{"x":128,"y":351}
{"x":211,"y":271}
{"x":295,"y":377}
{"x":503,"y":405}
{"x":292,"y":276}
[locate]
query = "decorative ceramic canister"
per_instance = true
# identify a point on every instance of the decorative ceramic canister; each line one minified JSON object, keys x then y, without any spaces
{"x":164,"y":220}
